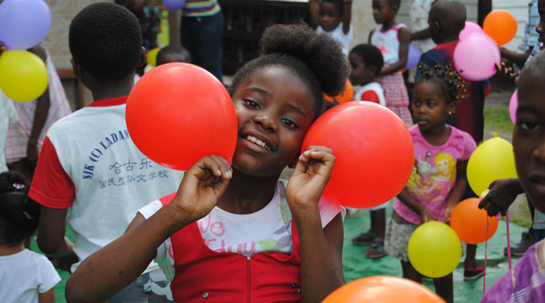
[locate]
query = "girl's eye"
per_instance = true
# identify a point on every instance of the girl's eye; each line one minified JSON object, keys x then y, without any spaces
{"x":526,"y":125}
{"x":431,"y":105}
{"x":416,"y":103}
{"x":289,"y":123}
{"x":251,"y":103}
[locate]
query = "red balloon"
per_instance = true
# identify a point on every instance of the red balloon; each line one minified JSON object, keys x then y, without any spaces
{"x":178,"y":113}
{"x":374,"y":153}
{"x":384,"y":289}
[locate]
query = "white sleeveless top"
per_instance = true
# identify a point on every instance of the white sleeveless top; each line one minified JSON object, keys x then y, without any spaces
{"x":387,"y":42}
{"x":339,"y":35}
{"x":374,"y":86}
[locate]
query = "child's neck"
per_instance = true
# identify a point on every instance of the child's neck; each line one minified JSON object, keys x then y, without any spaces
{"x":437,"y":136}
{"x":368,"y":81}
{"x":247,"y":194}
{"x":12,"y":248}
{"x":448,"y":38}
{"x":386,"y":25}
{"x":112,"y":88}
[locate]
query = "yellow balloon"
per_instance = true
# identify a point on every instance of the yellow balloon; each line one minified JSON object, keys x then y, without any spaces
{"x":492,"y":160}
{"x":23,"y":75}
{"x":151,"y":56}
{"x":434,"y":249}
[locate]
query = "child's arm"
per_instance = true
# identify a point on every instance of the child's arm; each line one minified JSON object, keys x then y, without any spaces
{"x":113,"y":267}
{"x":419,"y":209}
{"x":47,"y":297}
{"x":314,"y":7}
{"x":51,"y":239}
{"x":420,"y":35}
{"x":502,"y":194}
{"x":458,"y":190}
{"x":40,"y":116}
{"x":321,"y":249}
{"x":403,"y":36}
{"x":347,"y":15}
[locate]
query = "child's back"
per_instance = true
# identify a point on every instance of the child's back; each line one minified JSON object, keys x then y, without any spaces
{"x":26,"y":276}
{"x":89,"y":162}
{"x":447,"y":20}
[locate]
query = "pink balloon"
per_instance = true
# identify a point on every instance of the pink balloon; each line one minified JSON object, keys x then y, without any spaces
{"x":513,"y":104}
{"x":476,"y":56}
{"x":469,"y":29}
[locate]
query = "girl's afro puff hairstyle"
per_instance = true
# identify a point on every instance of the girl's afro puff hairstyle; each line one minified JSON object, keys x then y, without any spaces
{"x":19,"y":215}
{"x":316,"y":58}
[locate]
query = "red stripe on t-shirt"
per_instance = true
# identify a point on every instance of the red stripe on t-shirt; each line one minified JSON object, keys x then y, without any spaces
{"x":51,"y":185}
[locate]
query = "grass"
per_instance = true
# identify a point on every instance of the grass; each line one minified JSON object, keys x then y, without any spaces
{"x":163,"y":37}
{"x":499,"y":118}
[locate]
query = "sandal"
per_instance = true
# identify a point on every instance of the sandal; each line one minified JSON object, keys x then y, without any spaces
{"x":364,"y":239}
{"x":376,"y":251}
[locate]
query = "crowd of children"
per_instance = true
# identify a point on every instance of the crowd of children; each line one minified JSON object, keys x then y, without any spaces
{"x":145,"y":233}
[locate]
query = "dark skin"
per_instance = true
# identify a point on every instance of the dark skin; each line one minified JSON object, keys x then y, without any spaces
{"x":274,"y":106}
{"x":137,"y":8}
{"x":446,"y":20}
{"x":430,"y":112}
{"x":51,"y":239}
{"x":27,"y":165}
{"x":360,"y":74}
{"x":529,"y":136}
{"x":384,"y":14}
{"x":328,"y":16}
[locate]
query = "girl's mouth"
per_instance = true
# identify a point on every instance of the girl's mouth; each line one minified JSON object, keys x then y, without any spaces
{"x":258,"y":142}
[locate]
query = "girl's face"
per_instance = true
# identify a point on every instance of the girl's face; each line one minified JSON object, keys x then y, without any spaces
{"x":274,"y":110}
{"x":382,"y":11}
{"x":430,"y":108}
{"x":330,"y":17}
{"x":360,"y":74}
{"x":529,"y":136}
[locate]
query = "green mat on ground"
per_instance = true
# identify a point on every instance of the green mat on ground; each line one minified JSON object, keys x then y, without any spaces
{"x":357,"y":266}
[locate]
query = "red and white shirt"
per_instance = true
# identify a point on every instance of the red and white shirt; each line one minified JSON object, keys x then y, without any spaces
{"x":88,"y":162}
{"x":371,"y":92}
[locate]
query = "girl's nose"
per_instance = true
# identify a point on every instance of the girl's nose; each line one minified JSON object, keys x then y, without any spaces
{"x":539,"y":152}
{"x":266,"y":122}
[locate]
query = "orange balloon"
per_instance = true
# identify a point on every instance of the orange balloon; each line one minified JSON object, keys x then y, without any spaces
{"x":469,"y":222}
{"x":374,"y":153}
{"x":386,"y":289}
{"x":345,"y":96}
{"x":178,"y":113}
{"x":501,"y":25}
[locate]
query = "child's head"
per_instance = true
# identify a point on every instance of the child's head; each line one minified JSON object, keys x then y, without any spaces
{"x":529,"y":132}
{"x":135,"y":5}
{"x":331,"y":12}
{"x":173,"y":53}
{"x":385,"y":10}
{"x":19,"y":215}
{"x":540,"y":29}
{"x":106,"y":42}
{"x":435,"y":95}
{"x":446,"y":20}
{"x":279,"y":95}
{"x":366,"y":61}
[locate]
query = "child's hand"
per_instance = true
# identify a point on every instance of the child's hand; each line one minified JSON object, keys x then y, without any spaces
{"x":425,"y":215}
{"x":309,"y":178}
{"x":502,"y":194}
{"x":506,"y":72}
{"x":448,"y":213}
{"x":203,"y":184}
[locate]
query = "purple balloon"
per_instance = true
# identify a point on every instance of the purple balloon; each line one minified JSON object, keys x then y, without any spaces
{"x":174,"y":4}
{"x":476,"y":56}
{"x":23,"y":23}
{"x":513,"y":104}
{"x":414,"y":56}
{"x":469,"y":29}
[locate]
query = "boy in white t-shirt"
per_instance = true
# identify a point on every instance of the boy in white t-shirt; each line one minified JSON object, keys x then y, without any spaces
{"x":88,"y":161}
{"x":366,"y":62}
{"x":333,"y":17}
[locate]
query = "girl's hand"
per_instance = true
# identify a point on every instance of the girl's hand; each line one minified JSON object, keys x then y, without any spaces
{"x":203,"y":185}
{"x":506,"y":72}
{"x":425,"y":215}
{"x":448,"y":213}
{"x":309,"y":178}
{"x":503,"y":193}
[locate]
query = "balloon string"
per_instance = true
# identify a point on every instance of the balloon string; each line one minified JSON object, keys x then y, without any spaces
{"x":485,"y":256}
{"x":508,"y":239}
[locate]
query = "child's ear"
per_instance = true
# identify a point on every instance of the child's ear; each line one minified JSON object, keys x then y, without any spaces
{"x":76,"y":68}
{"x":372,"y":71}
{"x":452,"y":107}
{"x":142,"y":60}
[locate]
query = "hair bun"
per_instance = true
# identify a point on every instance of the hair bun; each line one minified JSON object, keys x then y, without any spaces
{"x":320,"y":52}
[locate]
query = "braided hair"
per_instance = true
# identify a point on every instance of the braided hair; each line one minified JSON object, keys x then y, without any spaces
{"x":447,"y":77}
{"x":19,"y":215}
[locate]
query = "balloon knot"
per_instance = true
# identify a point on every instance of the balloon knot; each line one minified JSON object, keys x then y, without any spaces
{"x":495,"y":134}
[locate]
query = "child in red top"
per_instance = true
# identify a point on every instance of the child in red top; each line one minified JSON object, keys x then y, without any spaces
{"x":366,"y":61}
